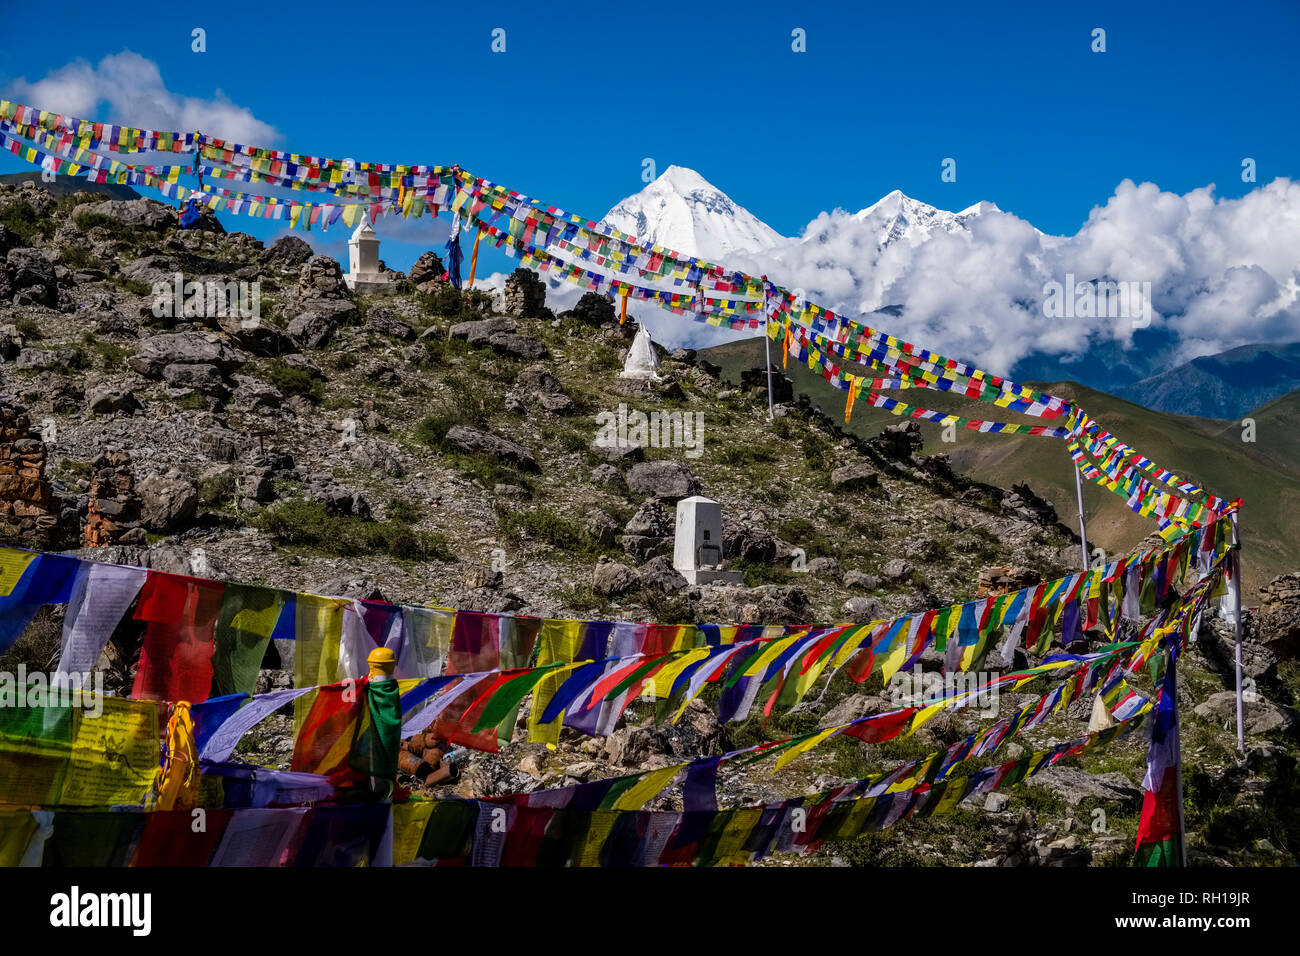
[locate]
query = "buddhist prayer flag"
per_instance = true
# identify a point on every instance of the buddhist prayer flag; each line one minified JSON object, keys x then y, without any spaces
{"x":1160,"y":828}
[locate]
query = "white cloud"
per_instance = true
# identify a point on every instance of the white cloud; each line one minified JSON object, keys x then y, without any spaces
{"x":1223,"y":272}
{"x":132,"y":89}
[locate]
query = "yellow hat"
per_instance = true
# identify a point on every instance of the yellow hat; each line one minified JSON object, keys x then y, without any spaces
{"x":382,"y":662}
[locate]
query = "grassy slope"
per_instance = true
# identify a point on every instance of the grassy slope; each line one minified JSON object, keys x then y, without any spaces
{"x":1266,"y":473}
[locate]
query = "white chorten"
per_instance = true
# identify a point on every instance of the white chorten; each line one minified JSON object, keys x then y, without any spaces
{"x":642,"y":362}
{"x":363,"y":273}
{"x":697,"y":544}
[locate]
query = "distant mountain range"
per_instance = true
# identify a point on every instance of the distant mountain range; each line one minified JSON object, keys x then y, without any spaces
{"x":685,"y":212}
{"x":67,"y":185}
{"x":1227,"y":385}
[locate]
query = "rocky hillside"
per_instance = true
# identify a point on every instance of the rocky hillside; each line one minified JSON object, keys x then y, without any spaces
{"x":429,"y":446}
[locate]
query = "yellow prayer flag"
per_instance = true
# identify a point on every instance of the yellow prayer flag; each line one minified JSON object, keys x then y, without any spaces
{"x":647,"y":788}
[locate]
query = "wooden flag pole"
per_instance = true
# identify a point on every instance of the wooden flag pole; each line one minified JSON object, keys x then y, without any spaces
{"x":473,"y":259}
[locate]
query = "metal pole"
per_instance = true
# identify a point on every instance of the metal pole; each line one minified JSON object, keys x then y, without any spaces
{"x":767,"y":346}
{"x":1236,"y":625}
{"x":767,"y":351}
{"x":1083,"y":529}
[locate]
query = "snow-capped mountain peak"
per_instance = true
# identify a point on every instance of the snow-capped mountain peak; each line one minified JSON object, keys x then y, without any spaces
{"x":685,"y":212}
{"x":897,"y":216}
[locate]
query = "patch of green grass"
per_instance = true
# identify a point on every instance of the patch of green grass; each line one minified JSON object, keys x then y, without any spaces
{"x":112,"y":356}
{"x":118,"y":230}
{"x":549,"y":525}
{"x":29,"y":329}
{"x":133,"y":286}
{"x":22,"y":220}
{"x":295,"y":381}
{"x":218,"y":491}
{"x":404,"y":511}
{"x":78,"y":257}
{"x":308,"y":524}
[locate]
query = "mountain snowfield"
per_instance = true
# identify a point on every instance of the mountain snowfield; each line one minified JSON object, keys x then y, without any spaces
{"x":972,"y":284}
{"x":683,"y":211}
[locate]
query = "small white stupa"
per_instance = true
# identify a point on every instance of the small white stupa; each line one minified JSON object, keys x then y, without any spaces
{"x":364,"y":274}
{"x":642,"y":362}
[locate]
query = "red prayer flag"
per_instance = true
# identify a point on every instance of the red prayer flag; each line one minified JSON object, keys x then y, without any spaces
{"x":176,"y":658}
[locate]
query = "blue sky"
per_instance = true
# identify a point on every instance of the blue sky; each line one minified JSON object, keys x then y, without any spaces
{"x":1037,"y":122}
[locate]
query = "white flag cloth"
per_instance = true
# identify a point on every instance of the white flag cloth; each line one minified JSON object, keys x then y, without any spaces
{"x":222,"y":743}
{"x":100,"y":596}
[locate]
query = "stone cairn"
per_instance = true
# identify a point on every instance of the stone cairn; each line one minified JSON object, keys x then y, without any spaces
{"x":113,"y":516}
{"x":27,"y":504}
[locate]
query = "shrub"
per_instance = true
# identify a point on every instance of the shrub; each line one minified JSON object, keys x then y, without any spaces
{"x":21,"y":219}
{"x":29,"y":329}
{"x":549,"y":525}
{"x":295,"y":381}
{"x":309,"y":524}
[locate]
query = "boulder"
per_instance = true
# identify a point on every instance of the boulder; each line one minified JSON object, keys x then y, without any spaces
{"x":312,"y":329}
{"x":669,"y":480}
{"x":1261,"y":716}
{"x":106,"y":399}
{"x":518,"y":346}
{"x":854,"y":477}
{"x":658,"y":574}
{"x":854,"y":706}
{"x":619,"y":454}
{"x":183,"y":348}
{"x":611,"y":578}
{"x":385,"y":322}
{"x":861,"y":581}
{"x":203,"y":378}
{"x":600,"y":528}
{"x":1276,"y":624}
{"x":860,"y":609}
{"x":46,"y":360}
{"x":634,"y":746}
{"x":896,"y":571}
{"x":748,"y":542}
{"x":167,"y":502}
{"x":287,"y":252}
{"x":1021,"y":502}
{"x":11,"y":342}
{"x":651,"y":519}
{"x":478,"y":442}
{"x":1074,"y":785}
{"x":108,"y":322}
{"x":594,"y":309}
{"x":32,"y":271}
{"x":823,"y":567}
{"x":479,"y":331}
{"x":137,"y":213}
